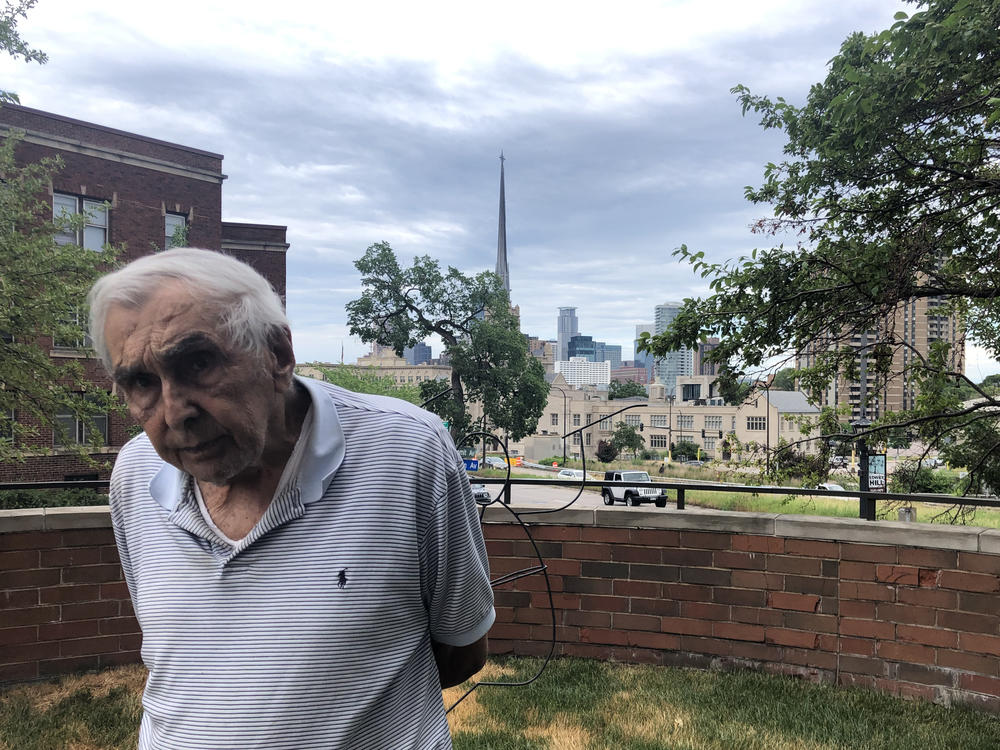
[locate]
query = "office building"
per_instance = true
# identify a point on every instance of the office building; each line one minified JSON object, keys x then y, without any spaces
{"x":672,"y":364}
{"x":567,"y":326}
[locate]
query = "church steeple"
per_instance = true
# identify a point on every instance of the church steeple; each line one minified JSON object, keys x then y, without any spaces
{"x":502,"y":270}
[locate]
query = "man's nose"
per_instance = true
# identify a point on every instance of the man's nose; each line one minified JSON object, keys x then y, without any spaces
{"x":179,"y":406}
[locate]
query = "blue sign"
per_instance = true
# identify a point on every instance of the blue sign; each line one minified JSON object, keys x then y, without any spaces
{"x":471,"y":464}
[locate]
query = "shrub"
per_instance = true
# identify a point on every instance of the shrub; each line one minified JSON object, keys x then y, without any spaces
{"x":12,"y":499}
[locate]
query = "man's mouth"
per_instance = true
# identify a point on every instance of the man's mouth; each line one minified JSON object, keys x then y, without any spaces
{"x":203,"y":446}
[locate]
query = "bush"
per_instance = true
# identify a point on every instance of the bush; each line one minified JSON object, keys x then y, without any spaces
{"x":606,"y":452}
{"x":68,"y":498}
{"x":913,"y":477}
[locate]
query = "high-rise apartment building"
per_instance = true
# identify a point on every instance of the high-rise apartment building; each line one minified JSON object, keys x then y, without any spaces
{"x":673,"y":364}
{"x":417,"y":354}
{"x":914,"y":327}
{"x":701,"y":367}
{"x":643,"y":359}
{"x":580,"y":371}
{"x":567,"y":326}
{"x":608,"y":352}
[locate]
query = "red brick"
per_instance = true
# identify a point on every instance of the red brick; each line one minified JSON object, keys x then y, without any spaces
{"x":659,"y":607}
{"x":534,"y":615}
{"x":66,"y":556}
{"x":91,"y":574}
{"x":90,"y":610}
{"x":954,"y":579}
{"x":900,"y":575}
{"x":933,"y":598}
{"x":685,"y":626}
{"x":738,"y":631}
{"x":87,"y":538}
{"x":57,"y":631}
{"x":867,"y":629}
{"x":50,"y":667}
{"x":751,"y":543}
{"x":868,"y":552}
{"x":588,"y":551}
{"x":929,"y":577}
{"x":868,"y":591}
{"x":516,"y":631}
{"x":980,"y":684}
{"x":861,"y":665}
{"x":715,"y":646}
{"x":499,"y":548}
{"x":906,"y":613}
{"x":604,"y":535}
{"x":857,"y":571}
{"x":692,"y":558}
{"x":807,"y":621}
{"x":979,"y":563}
{"x":555,"y":533}
{"x":622,"y":621}
{"x":604,"y":603}
{"x":25,"y":579}
{"x":968,"y":662}
{"x":30,"y":616}
{"x":812,"y":548}
{"x":557,"y":566}
{"x":644,"y":589}
{"x":928,"y":558}
{"x":502,"y":531}
{"x":662,"y":573}
{"x":804,"y":566}
{"x":859,"y":646}
{"x":18,"y":598}
{"x":23,"y":634}
{"x":588,"y":619}
{"x":927,"y":636}
{"x":663,"y":641}
{"x":757,"y":616}
{"x":739,"y":560}
{"x":979,"y":643}
{"x":119,"y":589}
{"x":704,"y":611}
{"x":621,"y":553}
{"x":812,"y":657}
{"x":28,"y":652}
{"x":739,"y":597}
{"x":687,"y":592}
{"x":608,"y":636}
{"x":119,"y":658}
{"x":18,"y":672}
{"x":706,"y":540}
{"x":540,"y":599}
{"x":130,"y":642}
{"x":752,"y":579}
{"x":798,"y":602}
{"x":20,"y":559}
{"x":31,"y":540}
{"x":73,"y":593}
{"x":654,"y":537}
{"x":756,"y":651}
{"x":862,"y":610}
{"x":968,"y":622}
{"x":786,"y":637}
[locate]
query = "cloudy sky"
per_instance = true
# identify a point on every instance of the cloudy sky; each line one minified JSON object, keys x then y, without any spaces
{"x":353,"y":123}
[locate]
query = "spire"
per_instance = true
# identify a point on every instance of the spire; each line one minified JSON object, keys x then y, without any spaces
{"x":502,"y":271}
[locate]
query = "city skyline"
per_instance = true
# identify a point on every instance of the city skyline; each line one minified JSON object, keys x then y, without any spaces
{"x":383,"y":122}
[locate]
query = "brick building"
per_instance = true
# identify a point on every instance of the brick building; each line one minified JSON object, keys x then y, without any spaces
{"x":152,"y":189}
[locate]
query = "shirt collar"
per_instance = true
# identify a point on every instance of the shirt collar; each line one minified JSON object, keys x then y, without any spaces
{"x":324,"y":453}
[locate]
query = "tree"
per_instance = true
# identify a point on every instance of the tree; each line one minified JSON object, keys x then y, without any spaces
{"x":490,"y":361}
{"x":11,"y":42}
{"x":784,"y":380}
{"x":889,"y":192}
{"x":626,"y":438}
{"x":606,"y":451}
{"x":684,"y":450}
{"x":43,"y":284}
{"x":625,"y":389}
{"x":357,"y":380}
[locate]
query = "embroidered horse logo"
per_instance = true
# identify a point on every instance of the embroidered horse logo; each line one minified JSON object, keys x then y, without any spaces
{"x":342,"y":579}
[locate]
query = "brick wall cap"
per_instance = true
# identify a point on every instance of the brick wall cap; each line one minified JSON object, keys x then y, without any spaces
{"x":22,"y":519}
{"x":84,"y":517}
{"x":989,"y":541}
{"x":497,"y":513}
{"x":696,"y":520}
{"x":933,"y":536}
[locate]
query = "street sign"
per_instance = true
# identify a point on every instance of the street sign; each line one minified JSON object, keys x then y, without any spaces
{"x":471,"y":464}
{"x":876,"y":472}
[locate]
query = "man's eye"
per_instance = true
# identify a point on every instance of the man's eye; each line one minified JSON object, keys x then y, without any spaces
{"x":142,"y":382}
{"x":199,"y":363}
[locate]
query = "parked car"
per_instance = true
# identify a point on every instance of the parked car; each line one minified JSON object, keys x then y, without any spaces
{"x":838,"y":462}
{"x":635,"y":495}
{"x":495,"y":462}
{"x":480,"y":493}
{"x":830,"y":486}
{"x":576,"y":474}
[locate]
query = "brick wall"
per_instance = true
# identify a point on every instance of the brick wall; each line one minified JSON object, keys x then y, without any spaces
{"x":907,"y":609}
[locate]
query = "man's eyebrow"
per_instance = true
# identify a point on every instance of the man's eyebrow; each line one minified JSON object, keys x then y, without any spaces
{"x":191,"y":343}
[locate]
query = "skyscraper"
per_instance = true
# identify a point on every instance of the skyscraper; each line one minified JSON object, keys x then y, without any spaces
{"x":567,"y":326}
{"x":672,"y":364}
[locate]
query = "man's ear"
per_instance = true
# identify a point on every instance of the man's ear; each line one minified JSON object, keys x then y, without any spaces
{"x":283,"y":362}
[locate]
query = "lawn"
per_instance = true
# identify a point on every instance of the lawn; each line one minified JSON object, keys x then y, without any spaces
{"x":575,"y":705}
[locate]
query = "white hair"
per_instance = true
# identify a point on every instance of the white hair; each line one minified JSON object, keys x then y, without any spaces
{"x":250,"y":312}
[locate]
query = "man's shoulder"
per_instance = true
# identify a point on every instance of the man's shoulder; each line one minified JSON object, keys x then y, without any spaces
{"x":358,"y":405}
{"x":136,"y":460}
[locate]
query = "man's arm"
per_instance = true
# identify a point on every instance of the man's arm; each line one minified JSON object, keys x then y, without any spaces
{"x":456,"y":664}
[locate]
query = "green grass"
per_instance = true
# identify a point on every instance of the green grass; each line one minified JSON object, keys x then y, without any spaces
{"x":575,"y":705}
{"x":586,"y":705}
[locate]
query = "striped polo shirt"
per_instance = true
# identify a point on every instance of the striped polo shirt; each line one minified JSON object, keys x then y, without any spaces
{"x":313,"y":631}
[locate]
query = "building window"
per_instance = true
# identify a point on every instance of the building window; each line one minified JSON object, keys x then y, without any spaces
{"x":94,"y":233}
{"x":756,"y":424}
{"x":605,"y":425}
{"x":587,"y":441}
{"x":76,"y":339}
{"x":576,"y":438}
{"x":709,"y":444}
{"x":658,"y":420}
{"x":657,"y":441}
{"x":576,"y":420}
{"x":713,"y":423}
{"x":70,"y":430}
{"x":690,"y":391}
{"x":633,"y":420}
{"x":7,"y":429}
{"x":554,"y":419}
{"x":685,"y":421}
{"x":175,"y":231}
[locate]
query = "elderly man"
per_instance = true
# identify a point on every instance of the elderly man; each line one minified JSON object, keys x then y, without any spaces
{"x":306,"y":563}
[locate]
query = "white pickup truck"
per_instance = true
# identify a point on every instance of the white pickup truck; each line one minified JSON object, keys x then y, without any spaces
{"x":633,"y":495}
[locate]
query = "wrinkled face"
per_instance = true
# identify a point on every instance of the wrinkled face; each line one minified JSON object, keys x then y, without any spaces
{"x":205,"y":406}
